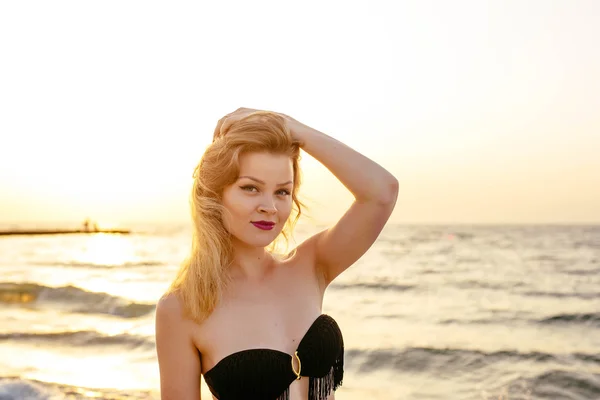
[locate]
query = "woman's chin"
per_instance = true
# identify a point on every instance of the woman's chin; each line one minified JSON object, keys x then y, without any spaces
{"x":263,"y":240}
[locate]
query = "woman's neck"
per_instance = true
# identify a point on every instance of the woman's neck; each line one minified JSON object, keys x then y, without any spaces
{"x":251,"y":263}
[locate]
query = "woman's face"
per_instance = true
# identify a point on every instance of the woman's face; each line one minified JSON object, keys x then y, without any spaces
{"x":259,"y":203}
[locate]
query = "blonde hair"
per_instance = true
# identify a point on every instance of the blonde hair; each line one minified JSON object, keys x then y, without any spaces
{"x":203,"y":274}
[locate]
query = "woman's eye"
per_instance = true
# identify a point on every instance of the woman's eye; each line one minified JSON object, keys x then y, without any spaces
{"x":254,"y":189}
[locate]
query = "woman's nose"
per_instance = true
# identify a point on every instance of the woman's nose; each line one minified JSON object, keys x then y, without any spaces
{"x":267,"y":208}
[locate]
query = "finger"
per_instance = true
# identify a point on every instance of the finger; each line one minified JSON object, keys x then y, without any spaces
{"x":227,"y":122}
{"x":217,"y":131}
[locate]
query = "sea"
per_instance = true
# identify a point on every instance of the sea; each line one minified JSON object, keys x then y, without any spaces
{"x":429,"y":312}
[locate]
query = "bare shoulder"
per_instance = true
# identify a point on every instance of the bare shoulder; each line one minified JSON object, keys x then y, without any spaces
{"x":169,"y":307}
{"x":170,"y":312}
{"x":178,"y":358}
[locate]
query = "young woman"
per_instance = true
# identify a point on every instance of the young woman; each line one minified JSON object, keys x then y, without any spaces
{"x":245,"y":318}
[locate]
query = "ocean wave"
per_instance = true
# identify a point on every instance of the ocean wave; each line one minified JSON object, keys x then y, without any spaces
{"x":72,"y":299}
{"x":14,"y":388}
{"x":373,"y":286}
{"x":448,"y":360}
{"x":558,"y":384}
{"x":76,"y":264}
{"x":592,"y":319}
{"x":583,"y":272}
{"x":581,"y":295}
{"x":482,"y":321}
{"x":80,"y":338}
{"x":475,"y":284}
{"x":542,"y":257}
{"x":577,"y":318}
{"x":587,"y":244}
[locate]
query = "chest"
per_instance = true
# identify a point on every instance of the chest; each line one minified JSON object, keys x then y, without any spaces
{"x":272,"y":315}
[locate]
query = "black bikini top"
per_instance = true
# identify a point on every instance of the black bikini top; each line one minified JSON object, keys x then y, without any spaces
{"x":266,"y":374}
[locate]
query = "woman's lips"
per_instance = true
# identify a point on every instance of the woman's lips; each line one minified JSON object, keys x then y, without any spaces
{"x":265,"y":226}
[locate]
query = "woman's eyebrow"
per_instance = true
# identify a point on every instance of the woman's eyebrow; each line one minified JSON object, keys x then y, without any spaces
{"x":262,"y":182}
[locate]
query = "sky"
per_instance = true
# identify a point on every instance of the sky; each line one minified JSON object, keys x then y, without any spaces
{"x":486,"y":112}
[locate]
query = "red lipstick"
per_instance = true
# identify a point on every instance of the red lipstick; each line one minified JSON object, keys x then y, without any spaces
{"x":264,"y":225}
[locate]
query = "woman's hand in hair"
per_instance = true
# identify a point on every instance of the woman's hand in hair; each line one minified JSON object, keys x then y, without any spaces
{"x":225,"y":122}
{"x":297,"y":129}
